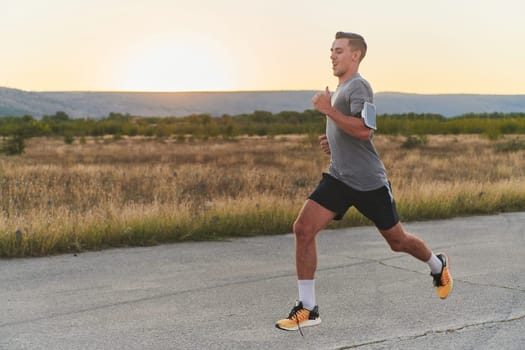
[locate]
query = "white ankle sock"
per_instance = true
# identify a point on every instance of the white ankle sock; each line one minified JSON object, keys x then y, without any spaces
{"x":307,"y":293}
{"x":435,"y":264}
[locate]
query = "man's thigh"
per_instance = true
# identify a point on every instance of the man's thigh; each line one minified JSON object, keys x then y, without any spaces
{"x":314,"y":216}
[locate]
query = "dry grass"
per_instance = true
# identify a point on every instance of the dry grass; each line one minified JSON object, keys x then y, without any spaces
{"x":62,"y":198}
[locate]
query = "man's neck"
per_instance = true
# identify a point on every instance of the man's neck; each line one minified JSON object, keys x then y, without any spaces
{"x":347,"y":75}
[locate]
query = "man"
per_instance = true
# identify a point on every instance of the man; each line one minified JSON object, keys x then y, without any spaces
{"x":356,"y":177}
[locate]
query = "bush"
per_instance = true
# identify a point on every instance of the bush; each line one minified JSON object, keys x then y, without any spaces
{"x":13,"y":145}
{"x":513,"y":145}
{"x":492,"y":134}
{"x":414,"y":141}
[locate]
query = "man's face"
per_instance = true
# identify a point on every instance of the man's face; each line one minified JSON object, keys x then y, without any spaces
{"x":342,"y":56}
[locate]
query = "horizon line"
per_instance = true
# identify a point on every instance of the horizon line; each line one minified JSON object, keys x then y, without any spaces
{"x":252,"y":91}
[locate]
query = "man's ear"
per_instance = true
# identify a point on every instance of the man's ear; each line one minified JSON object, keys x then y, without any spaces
{"x":356,"y":55}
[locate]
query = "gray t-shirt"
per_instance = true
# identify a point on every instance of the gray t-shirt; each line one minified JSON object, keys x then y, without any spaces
{"x":354,"y":161}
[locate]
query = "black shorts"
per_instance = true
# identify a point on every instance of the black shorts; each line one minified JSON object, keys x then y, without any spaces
{"x":377,"y":205}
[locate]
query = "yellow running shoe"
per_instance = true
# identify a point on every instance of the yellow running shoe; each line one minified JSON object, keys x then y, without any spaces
{"x":443,"y":281}
{"x":299,"y":317}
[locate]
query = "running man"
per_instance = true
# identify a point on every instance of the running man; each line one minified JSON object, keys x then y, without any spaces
{"x":356,"y":177}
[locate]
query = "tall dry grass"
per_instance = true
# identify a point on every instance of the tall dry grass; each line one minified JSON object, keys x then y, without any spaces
{"x":62,"y":198}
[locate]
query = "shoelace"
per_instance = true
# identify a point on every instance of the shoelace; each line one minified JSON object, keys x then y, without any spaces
{"x":295,"y":314}
{"x":445,"y":279}
{"x":441,"y":279}
{"x":298,"y":324}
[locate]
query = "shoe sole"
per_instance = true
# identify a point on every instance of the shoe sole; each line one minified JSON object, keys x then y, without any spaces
{"x":451,"y":279}
{"x":306,"y":324}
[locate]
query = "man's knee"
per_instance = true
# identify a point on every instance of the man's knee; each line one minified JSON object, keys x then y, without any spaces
{"x":396,"y":238}
{"x":303,"y":232}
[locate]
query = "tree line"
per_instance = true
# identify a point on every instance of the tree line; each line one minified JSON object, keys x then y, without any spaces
{"x":257,"y":123}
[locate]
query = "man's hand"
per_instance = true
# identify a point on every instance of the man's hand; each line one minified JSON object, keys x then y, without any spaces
{"x":323,"y":141}
{"x":323,"y":102}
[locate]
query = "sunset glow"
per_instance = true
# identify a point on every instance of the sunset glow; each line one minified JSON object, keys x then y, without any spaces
{"x":160,"y":45}
{"x":177,"y":64}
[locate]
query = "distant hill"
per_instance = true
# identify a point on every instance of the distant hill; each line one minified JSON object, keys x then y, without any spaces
{"x":448,"y":105}
{"x":15,"y":102}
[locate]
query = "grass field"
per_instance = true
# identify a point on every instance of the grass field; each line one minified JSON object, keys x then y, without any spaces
{"x":59,"y":198}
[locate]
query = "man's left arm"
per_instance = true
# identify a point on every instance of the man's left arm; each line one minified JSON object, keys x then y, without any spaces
{"x":351,"y":125}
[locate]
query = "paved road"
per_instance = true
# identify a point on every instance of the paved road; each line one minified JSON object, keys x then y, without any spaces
{"x":227,"y":295}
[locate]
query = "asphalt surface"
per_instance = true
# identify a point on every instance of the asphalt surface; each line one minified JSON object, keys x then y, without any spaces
{"x":228,"y":295}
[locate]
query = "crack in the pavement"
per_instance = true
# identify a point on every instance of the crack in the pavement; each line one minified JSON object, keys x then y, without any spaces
{"x":382,"y":262}
{"x":433,"y":332}
{"x":143,"y":299}
{"x":167,"y":295}
{"x":360,"y":261}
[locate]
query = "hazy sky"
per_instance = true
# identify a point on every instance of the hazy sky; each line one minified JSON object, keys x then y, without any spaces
{"x":447,"y":46}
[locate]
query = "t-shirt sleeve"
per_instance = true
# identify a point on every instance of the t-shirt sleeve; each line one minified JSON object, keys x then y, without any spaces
{"x":359,"y":94}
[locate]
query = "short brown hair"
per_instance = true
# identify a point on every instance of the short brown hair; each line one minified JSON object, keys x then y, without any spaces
{"x":355,"y":40}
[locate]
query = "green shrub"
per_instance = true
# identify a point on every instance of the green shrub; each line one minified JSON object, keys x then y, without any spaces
{"x":69,"y":139}
{"x":513,"y":145}
{"x":492,"y":134}
{"x":414,"y":141}
{"x":13,"y":145}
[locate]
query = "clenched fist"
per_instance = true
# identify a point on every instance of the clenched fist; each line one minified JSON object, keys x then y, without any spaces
{"x":322,"y":102}
{"x":323,"y":142}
